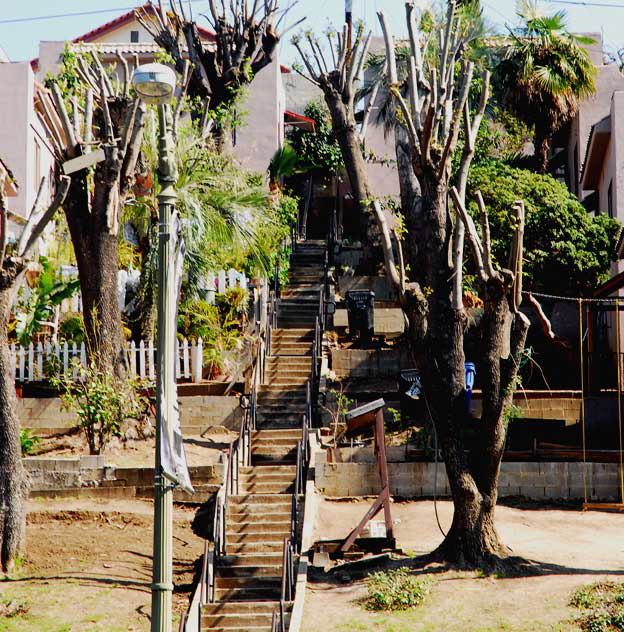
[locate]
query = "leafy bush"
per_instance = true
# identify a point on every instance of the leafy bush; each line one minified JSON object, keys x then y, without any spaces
{"x":603,"y":606}
{"x":397,"y":589}
{"x":29,"y":441}
{"x":566,"y":250}
{"x":72,"y":328}
{"x":101,"y":401}
{"x":233,"y":306}
{"x":318,"y":150}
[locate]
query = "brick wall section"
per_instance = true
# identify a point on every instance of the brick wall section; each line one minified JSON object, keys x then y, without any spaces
{"x":197,"y":412}
{"x":532,"y":480}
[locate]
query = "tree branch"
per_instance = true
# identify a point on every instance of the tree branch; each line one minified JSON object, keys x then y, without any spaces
{"x":59,"y":198}
{"x":473,"y":238}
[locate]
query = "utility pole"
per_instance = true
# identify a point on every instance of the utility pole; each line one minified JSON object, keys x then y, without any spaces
{"x":349,"y":22}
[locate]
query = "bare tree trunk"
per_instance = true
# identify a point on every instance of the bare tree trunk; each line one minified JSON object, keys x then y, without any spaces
{"x":542,"y":143}
{"x":95,"y":247}
{"x":348,"y":138}
{"x":13,"y":478}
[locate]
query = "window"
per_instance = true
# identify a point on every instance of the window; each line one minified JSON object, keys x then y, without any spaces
{"x":610,"y":199}
{"x":134,"y":37}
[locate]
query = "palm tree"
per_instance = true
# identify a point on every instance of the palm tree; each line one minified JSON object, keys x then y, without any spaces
{"x":225,"y":209}
{"x":544,"y":73}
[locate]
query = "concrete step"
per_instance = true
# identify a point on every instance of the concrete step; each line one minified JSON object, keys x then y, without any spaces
{"x":277,"y":502}
{"x":276,"y":530}
{"x":269,"y":488}
{"x":235,"y":622}
{"x":276,"y":434}
{"x":259,"y":538}
{"x":275,"y":441}
{"x":257,"y":517}
{"x":246,"y":594}
{"x":248,"y":572}
{"x":251,"y":583}
{"x":252,"y":559}
{"x":251,"y":548}
{"x":268,"y":469}
{"x":225,"y":607}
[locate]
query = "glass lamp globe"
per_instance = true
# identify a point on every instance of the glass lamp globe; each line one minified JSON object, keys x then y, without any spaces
{"x":154,"y":83}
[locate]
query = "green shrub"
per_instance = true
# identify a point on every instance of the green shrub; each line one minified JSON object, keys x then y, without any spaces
{"x":101,"y":401}
{"x":602,"y":607}
{"x":29,"y":441}
{"x":566,"y":251}
{"x":72,"y":328}
{"x":397,"y":589}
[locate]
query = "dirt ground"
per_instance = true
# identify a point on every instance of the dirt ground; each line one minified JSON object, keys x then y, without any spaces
{"x":567,"y":549}
{"x":200,"y":450}
{"x":88,"y":567}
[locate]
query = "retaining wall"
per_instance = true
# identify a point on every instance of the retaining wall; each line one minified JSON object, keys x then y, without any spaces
{"x":197,"y":412}
{"x":532,"y":480}
{"x":91,"y":476}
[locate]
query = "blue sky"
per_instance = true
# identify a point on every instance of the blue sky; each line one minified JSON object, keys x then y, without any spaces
{"x":20,"y":39}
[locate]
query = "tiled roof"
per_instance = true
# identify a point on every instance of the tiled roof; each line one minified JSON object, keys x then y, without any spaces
{"x":125,"y":19}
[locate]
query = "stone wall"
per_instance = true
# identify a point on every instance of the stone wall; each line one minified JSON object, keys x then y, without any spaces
{"x":532,"y":480}
{"x":91,"y":476}
{"x":45,"y":416}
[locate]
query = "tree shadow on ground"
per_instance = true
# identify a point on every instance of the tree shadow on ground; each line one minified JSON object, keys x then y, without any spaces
{"x":503,"y":568}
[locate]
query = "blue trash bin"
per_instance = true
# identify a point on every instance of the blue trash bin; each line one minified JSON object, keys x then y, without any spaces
{"x":471,"y":371}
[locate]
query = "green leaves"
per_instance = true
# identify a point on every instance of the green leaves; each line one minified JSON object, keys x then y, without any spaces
{"x":566,"y":251}
{"x":317,"y":151}
{"x":397,"y":589}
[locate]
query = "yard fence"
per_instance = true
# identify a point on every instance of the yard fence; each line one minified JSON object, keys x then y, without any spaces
{"x":33,"y":363}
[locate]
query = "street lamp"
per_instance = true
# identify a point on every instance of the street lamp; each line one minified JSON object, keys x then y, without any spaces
{"x":155,"y":83}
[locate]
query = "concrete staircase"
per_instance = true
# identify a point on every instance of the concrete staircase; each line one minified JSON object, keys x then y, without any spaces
{"x":248,"y":584}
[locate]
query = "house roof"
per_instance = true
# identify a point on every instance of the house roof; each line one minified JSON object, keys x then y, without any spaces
{"x":125,"y":19}
{"x":609,"y":287}
{"x":595,"y":153}
{"x":298,"y":120}
{"x":93,"y":35}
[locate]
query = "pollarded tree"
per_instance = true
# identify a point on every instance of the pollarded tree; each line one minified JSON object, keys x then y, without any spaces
{"x":437,"y":104}
{"x":104,"y":117}
{"x":246,"y":35}
{"x":13,"y":480}
{"x":336,"y":72}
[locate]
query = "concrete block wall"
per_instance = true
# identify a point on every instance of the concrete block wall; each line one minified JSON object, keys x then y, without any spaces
{"x":90,"y":475}
{"x":542,"y":405}
{"x":197,"y":412}
{"x":388,"y":320}
{"x":368,"y":363}
{"x":532,"y":480}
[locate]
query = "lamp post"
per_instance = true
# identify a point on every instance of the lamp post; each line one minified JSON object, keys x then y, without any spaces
{"x":155,"y":83}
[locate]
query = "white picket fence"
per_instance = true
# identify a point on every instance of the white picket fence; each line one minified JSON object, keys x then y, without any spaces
{"x":30,"y":363}
{"x":218,"y":282}
{"x":221,"y":281}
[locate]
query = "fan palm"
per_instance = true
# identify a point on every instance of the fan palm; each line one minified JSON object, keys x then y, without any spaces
{"x":223,"y":211}
{"x":544,"y":73}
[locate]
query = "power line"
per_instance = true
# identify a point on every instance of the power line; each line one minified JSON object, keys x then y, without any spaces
{"x":581,"y":3}
{"x":37,"y":18}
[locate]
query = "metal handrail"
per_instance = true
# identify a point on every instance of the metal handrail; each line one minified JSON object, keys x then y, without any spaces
{"x":288,"y":572}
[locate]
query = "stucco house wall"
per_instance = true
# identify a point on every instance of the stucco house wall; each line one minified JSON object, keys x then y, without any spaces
{"x":608,"y":80}
{"x":23,"y":145}
{"x":262,"y":109}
